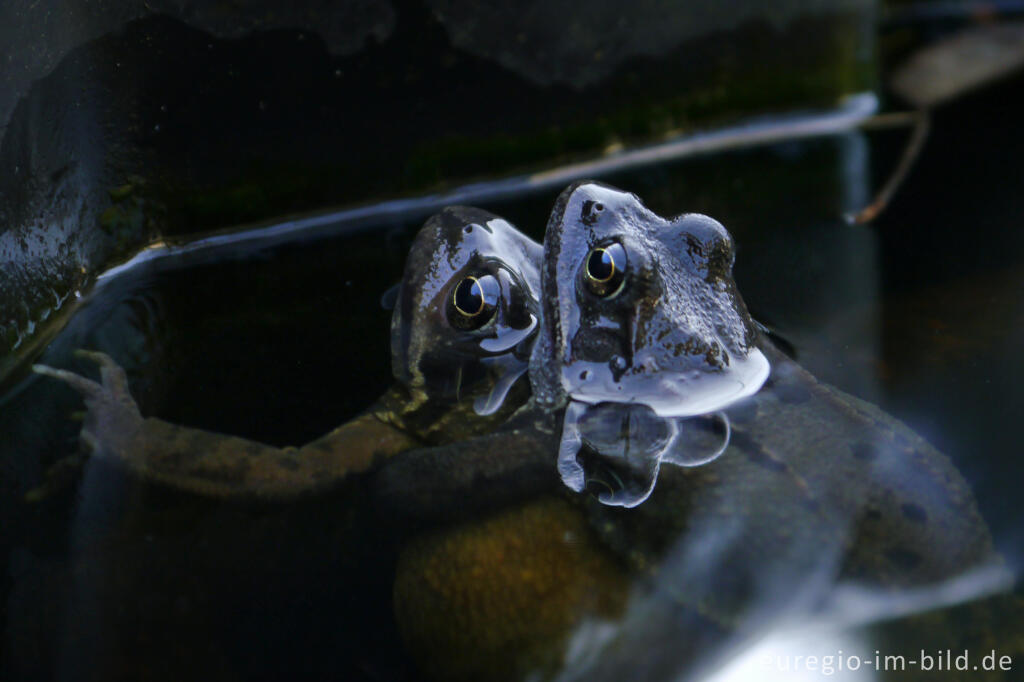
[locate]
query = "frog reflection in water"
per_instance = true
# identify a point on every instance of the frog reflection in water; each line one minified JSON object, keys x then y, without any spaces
{"x":462,"y":329}
{"x":814,"y":487}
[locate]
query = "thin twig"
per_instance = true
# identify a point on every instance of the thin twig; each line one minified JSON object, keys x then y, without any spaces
{"x":922,"y":125}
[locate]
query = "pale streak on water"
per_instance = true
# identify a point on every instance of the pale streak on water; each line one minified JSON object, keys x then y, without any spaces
{"x":850,"y":113}
{"x":780,"y":652}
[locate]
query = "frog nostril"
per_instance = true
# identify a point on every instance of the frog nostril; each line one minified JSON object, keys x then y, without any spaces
{"x":590,"y":211}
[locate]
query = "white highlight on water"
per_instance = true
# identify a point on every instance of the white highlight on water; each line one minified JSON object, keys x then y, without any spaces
{"x":852,"y":111}
{"x":668,"y":393}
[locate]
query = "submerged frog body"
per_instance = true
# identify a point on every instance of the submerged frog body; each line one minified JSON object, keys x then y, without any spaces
{"x":462,"y":331}
{"x":816,"y":490}
{"x":812,"y":488}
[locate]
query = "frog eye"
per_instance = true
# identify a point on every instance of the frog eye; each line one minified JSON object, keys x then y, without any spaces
{"x":605,"y":269}
{"x":473,"y":302}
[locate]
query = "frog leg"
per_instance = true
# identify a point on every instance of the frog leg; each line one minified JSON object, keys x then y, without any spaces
{"x":112,"y":418}
{"x":214,"y":464}
{"x":59,"y":477}
{"x":446,"y":482}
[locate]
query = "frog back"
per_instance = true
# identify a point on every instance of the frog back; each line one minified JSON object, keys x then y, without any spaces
{"x":816,"y":486}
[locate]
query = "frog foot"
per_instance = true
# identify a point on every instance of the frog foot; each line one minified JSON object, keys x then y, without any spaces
{"x":58,"y":478}
{"x":112,"y":419}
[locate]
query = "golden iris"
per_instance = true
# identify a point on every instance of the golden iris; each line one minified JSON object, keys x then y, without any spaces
{"x":606,"y":269}
{"x":474,"y":301}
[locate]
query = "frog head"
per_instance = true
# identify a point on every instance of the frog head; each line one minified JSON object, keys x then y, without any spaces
{"x":464,"y":322}
{"x":639,"y":311}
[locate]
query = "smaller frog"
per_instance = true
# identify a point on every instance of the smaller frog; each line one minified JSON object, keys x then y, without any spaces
{"x":462,"y":329}
{"x":641,"y":311}
{"x":464,"y":324}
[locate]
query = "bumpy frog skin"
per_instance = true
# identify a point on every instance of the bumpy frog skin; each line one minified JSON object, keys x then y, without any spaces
{"x":455,"y":375}
{"x":673,"y":334}
{"x":658,"y":328}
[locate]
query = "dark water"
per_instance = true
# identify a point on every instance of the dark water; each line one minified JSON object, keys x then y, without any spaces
{"x":921,"y":313}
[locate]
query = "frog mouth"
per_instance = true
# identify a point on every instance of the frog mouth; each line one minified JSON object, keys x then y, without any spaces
{"x":615,"y":450}
{"x":619,"y":426}
{"x":668,"y":393}
{"x":506,"y":368}
{"x":509,"y":338}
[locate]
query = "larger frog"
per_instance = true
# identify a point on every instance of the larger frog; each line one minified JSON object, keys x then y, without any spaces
{"x":815,"y":486}
{"x":651,"y":318}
